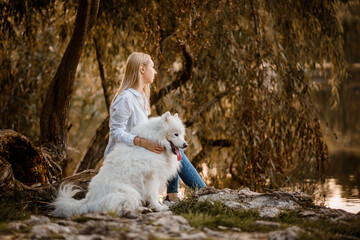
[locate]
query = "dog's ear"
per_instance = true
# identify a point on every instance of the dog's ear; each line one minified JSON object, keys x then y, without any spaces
{"x":175,"y":115}
{"x":165,"y":116}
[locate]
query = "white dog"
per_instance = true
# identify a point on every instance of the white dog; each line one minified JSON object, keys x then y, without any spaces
{"x":131,"y":176}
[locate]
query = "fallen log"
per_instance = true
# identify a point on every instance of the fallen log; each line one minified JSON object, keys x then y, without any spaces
{"x":22,"y":165}
{"x":29,"y":172}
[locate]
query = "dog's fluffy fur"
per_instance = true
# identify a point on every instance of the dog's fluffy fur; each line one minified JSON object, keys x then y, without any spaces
{"x":131,"y":176}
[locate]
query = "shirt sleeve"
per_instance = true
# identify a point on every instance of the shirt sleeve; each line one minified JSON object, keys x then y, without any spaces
{"x":120,"y":113}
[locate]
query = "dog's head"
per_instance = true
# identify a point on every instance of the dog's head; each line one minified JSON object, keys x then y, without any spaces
{"x":174,"y":133}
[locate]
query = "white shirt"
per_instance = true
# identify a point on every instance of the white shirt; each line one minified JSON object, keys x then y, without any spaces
{"x":126,"y":112}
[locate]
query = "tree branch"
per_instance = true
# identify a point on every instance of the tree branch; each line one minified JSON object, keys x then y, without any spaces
{"x":205,"y":106}
{"x":258,"y":42}
{"x":102,"y":76}
{"x":216,"y":143}
{"x":185,"y":76}
{"x":255,"y":21}
{"x":206,"y":145}
{"x":198,"y":158}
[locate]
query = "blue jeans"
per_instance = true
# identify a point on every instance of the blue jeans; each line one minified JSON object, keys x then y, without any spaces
{"x":188,"y":175}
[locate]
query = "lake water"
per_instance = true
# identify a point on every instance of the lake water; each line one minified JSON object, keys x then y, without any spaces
{"x":336,"y":197}
{"x":341,"y":128}
{"x":341,"y":189}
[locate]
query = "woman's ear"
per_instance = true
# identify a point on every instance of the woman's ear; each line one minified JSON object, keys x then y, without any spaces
{"x":142,"y":68}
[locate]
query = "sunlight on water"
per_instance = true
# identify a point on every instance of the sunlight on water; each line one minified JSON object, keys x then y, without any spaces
{"x":334,"y":199}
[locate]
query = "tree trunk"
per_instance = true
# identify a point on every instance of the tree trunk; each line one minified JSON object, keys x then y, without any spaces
{"x":22,"y":165}
{"x":55,"y":111}
{"x":25,"y":168}
{"x":102,"y":76}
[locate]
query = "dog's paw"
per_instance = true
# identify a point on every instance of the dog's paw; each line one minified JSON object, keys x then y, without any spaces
{"x":144,"y":210}
{"x":131,"y":214}
{"x":164,"y":208}
{"x":160,"y":208}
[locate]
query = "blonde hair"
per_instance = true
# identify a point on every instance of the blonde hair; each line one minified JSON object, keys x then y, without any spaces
{"x":132,"y":75}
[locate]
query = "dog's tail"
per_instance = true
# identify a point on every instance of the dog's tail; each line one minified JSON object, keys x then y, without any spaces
{"x":65,"y":205}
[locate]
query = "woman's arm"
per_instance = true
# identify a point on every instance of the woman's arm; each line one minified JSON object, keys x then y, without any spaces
{"x":149,"y":145}
{"x":120,"y":113}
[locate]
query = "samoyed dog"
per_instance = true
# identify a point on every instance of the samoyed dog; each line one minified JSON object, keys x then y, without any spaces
{"x":131,"y":176}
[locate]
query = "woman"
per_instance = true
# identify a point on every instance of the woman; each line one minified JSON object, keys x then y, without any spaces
{"x":131,"y":106}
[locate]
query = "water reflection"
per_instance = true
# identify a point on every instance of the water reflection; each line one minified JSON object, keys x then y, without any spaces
{"x":342,"y":187}
{"x":342,"y":134}
{"x":334,"y":197}
{"x":345,"y":168}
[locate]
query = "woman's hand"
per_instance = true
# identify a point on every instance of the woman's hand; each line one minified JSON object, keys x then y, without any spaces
{"x":149,"y":145}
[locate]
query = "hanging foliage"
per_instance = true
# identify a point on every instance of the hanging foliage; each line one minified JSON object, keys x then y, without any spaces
{"x":238,"y":72}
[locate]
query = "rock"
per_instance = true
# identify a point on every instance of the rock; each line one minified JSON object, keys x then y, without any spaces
{"x":274,"y":225}
{"x":49,"y":230}
{"x":207,"y":191}
{"x":235,"y":229}
{"x":233,"y":233}
{"x":95,"y":227}
{"x":16,"y":226}
{"x":36,"y":220}
{"x":66,"y":223}
{"x":144,"y":224}
{"x":7,"y":237}
{"x":222,"y":227}
{"x":290,"y":233}
{"x":160,"y":214}
{"x":136,"y":236}
{"x":193,"y":236}
{"x":269,"y":212}
{"x":87,"y":237}
{"x":96,"y":216}
{"x":232,"y":204}
{"x":212,"y":232}
{"x":173,"y":224}
{"x":130,"y":214}
{"x":307,"y":214}
{"x":247,"y":192}
{"x":247,"y":199}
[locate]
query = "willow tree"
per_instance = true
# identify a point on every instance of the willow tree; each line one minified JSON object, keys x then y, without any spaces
{"x":238,"y":72}
{"x":18,"y":157}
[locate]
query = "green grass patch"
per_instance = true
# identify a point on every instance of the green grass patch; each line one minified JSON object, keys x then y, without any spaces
{"x":3,"y":229}
{"x":12,"y":209}
{"x":113,"y":214}
{"x":57,"y":236}
{"x":81,"y":219}
{"x":19,"y":206}
{"x":214,"y":214}
{"x":322,"y":227}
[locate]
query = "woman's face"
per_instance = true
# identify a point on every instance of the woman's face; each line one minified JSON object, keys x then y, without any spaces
{"x":148,"y":73}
